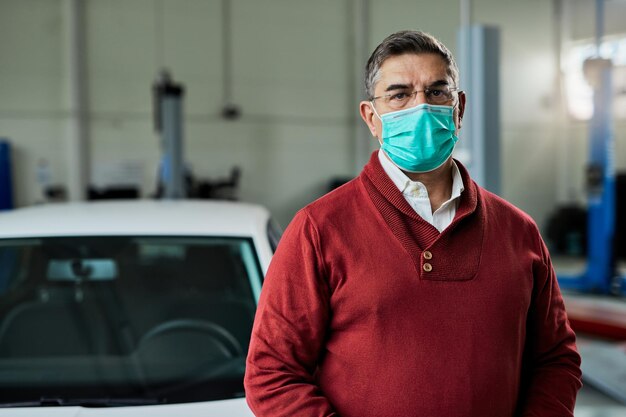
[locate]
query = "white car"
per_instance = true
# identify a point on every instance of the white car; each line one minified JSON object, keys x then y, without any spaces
{"x":129,"y":308}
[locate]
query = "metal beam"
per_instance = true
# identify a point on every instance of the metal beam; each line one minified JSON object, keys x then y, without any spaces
{"x":479,"y":145}
{"x":362,"y":142}
{"x":78,"y":128}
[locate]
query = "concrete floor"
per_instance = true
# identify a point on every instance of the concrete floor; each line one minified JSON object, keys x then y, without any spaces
{"x":592,"y":403}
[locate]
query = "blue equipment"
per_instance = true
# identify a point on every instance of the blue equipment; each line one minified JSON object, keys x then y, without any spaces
{"x":600,"y":275}
{"x":6,"y":182}
{"x":168,"y":115}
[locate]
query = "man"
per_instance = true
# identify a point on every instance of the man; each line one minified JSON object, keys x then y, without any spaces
{"x":411,"y":291}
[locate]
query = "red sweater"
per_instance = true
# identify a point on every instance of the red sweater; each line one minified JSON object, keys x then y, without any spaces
{"x":367,"y":310}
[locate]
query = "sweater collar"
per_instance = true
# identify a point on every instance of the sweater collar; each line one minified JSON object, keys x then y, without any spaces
{"x":384,"y":184}
{"x":403,"y":182}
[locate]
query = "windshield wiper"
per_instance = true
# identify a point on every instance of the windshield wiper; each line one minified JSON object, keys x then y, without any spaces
{"x":84,"y":402}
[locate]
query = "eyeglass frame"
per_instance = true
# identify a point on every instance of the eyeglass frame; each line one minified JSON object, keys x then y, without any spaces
{"x":414,"y":93}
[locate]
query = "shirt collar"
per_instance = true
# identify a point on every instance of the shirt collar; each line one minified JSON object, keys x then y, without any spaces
{"x":457,"y":182}
{"x":401,"y":181}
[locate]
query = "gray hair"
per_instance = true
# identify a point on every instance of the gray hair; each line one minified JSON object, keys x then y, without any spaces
{"x":404,"y":42}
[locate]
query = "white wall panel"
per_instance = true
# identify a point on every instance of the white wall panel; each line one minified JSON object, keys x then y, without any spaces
{"x":121,"y":54}
{"x":189,"y":40}
{"x":439,"y":18}
{"x":31,"y":63}
{"x":291,"y":58}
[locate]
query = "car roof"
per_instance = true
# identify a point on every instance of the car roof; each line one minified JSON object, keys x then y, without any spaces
{"x":135,"y":218}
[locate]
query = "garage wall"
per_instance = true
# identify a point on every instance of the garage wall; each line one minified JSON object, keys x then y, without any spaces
{"x":31,"y":71}
{"x":527,"y":87}
{"x":292,"y":136}
{"x":292,"y":78}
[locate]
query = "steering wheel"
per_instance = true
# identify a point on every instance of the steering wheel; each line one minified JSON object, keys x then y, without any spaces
{"x":178,"y":329}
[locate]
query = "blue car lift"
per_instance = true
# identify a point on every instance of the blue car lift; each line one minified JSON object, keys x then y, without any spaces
{"x":168,"y":121}
{"x":600,"y":275}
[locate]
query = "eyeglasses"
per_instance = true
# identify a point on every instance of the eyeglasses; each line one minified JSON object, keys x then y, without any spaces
{"x":439,"y":95}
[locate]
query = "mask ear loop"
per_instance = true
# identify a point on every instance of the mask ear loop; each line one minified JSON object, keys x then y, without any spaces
{"x":375,"y":112}
{"x":379,"y":118}
{"x":456,"y":108}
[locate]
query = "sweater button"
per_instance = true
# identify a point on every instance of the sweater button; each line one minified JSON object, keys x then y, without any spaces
{"x":427,"y":255}
{"x":427,"y":267}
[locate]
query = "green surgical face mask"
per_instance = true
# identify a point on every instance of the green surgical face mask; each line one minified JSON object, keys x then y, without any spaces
{"x":419,"y":139}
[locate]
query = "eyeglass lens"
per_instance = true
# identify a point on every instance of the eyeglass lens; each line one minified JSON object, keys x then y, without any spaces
{"x":439,"y":95}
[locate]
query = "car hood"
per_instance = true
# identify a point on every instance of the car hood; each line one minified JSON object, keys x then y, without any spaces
{"x":226,"y":408}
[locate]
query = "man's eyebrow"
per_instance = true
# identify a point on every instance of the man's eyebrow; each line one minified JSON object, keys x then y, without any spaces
{"x":397,"y":87}
{"x":406,"y":86}
{"x":439,"y":82}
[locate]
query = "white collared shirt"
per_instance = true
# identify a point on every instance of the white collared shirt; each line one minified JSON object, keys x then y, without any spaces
{"x":416,"y":194}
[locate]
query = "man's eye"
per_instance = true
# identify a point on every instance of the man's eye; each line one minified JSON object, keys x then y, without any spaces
{"x":435,"y":93}
{"x":399,"y":96}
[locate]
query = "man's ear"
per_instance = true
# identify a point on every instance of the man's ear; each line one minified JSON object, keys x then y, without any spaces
{"x":462,"y":100}
{"x":367,"y":114}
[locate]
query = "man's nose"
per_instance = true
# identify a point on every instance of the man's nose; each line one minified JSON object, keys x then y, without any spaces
{"x":419,"y":97}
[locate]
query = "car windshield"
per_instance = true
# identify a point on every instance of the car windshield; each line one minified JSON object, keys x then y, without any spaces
{"x":128,"y":320}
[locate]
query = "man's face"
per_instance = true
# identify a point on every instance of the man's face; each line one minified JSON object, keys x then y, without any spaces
{"x":404,"y":74}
